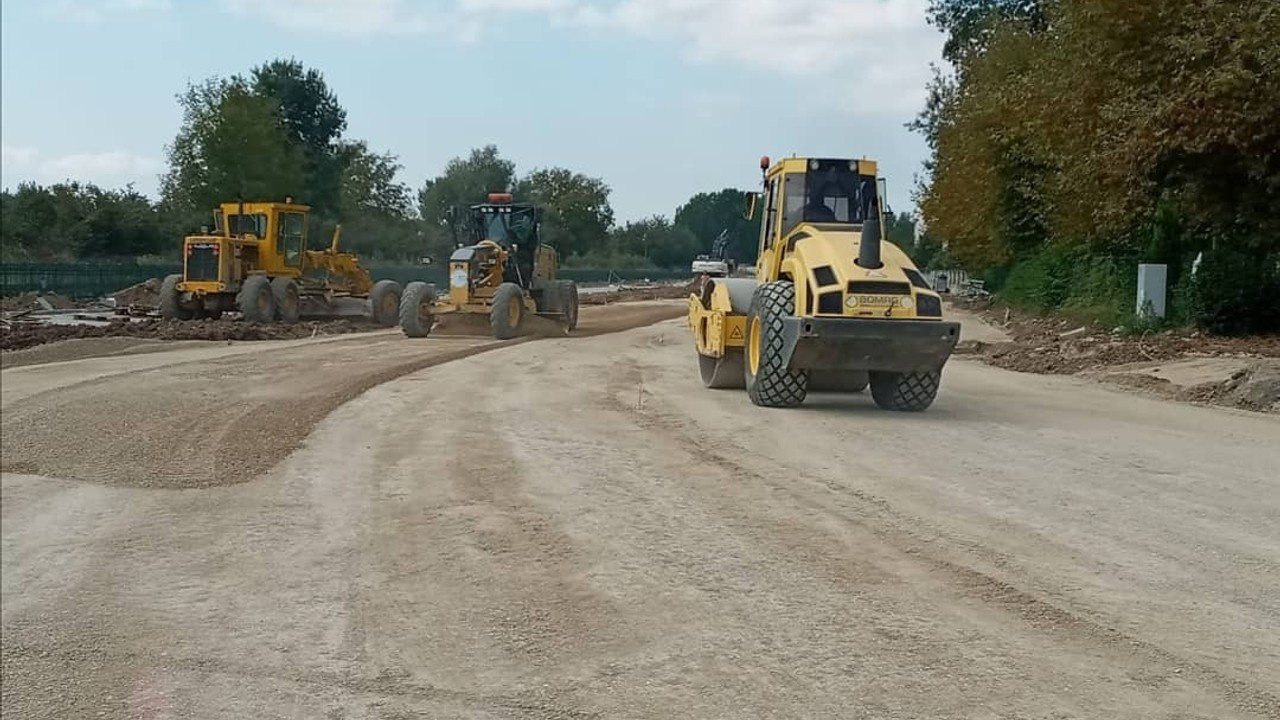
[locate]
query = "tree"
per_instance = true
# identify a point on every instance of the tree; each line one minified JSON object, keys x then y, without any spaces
{"x":229,"y":146}
{"x":312,"y":119}
{"x":656,"y":241}
{"x":707,"y":214}
{"x":576,"y":211}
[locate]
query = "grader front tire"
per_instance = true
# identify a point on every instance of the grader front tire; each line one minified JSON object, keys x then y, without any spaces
{"x":569,"y":303}
{"x":769,"y":382}
{"x":171,"y":307}
{"x":416,"y":314}
{"x":507,"y":314}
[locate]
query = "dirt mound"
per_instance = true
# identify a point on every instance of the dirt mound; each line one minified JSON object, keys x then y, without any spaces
{"x":25,"y":335}
{"x":1254,"y":388}
{"x":1056,"y":346}
{"x":144,"y":294}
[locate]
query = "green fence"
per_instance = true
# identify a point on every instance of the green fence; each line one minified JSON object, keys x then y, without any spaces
{"x":90,"y":280}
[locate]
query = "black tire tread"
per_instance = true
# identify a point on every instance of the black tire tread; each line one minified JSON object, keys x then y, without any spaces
{"x":377,"y":294}
{"x":506,"y":294}
{"x":415,"y":294}
{"x":286,"y":312}
{"x":253,"y":286}
{"x":905,"y":392}
{"x":171,"y":300}
{"x":774,"y":385}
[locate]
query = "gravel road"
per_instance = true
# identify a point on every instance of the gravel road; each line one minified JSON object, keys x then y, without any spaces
{"x":374,"y":527}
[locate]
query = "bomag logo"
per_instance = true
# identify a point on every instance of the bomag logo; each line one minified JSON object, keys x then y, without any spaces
{"x":877,"y":300}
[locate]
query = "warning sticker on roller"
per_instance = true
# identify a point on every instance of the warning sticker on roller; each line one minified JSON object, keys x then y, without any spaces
{"x":735,"y":333}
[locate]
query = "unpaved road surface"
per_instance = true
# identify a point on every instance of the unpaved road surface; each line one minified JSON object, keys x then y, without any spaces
{"x":575,"y":528}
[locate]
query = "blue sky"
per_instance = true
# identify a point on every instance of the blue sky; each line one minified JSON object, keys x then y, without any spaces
{"x":661,"y":98}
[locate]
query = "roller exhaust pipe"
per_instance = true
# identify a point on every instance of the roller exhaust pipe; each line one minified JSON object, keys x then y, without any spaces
{"x":869,"y":248}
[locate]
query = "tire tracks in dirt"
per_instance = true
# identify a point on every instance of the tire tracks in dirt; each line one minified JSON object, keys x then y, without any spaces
{"x":926,"y":546}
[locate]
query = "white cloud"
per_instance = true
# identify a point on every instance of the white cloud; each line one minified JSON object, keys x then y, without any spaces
{"x":108,"y":168}
{"x":870,"y":56}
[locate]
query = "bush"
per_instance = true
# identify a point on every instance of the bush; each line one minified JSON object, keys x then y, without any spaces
{"x":1089,"y":288}
{"x":1236,"y":292}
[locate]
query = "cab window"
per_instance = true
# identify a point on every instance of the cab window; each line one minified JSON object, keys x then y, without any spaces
{"x":292,"y":237}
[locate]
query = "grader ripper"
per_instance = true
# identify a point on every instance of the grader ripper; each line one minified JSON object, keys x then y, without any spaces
{"x":256,"y":262}
{"x":833,"y":306}
{"x":500,"y":269}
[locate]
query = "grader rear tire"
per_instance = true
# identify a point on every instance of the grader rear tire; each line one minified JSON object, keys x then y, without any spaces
{"x":288,"y":300}
{"x":255,"y":301}
{"x":508,"y":311}
{"x":416,"y":309}
{"x":384,"y":299}
{"x":905,"y":392}
{"x":722,"y":373}
{"x":569,"y":303}
{"x":171,"y":307}
{"x":769,"y":382}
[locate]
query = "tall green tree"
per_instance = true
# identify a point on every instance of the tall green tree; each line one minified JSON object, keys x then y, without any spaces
{"x":313,"y":120}
{"x":576,"y":211}
{"x":229,"y":145}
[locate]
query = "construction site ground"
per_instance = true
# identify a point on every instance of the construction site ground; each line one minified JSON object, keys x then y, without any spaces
{"x":369,"y":526}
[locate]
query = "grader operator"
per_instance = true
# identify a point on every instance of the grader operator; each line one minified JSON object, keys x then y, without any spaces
{"x":833,"y":306}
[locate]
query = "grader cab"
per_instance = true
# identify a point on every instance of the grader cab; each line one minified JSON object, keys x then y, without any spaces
{"x":500,"y":269}
{"x":833,"y":306}
{"x":256,"y":262}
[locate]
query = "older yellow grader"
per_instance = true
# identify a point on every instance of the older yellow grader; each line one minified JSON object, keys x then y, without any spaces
{"x":256,"y":262}
{"x":500,"y":270}
{"x":833,"y":306}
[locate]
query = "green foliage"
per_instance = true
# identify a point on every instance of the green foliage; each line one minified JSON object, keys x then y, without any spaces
{"x":1236,"y":291}
{"x":1073,"y":282}
{"x":1107,"y":128}
{"x":576,"y":211}
{"x":71,"y":220}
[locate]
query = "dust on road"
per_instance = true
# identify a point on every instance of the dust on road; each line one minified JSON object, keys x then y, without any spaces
{"x":576,"y":528}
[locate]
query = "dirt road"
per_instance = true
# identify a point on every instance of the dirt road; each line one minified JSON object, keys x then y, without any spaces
{"x":575,"y":528}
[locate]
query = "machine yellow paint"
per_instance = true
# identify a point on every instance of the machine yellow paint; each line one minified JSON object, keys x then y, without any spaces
{"x":256,"y":261}
{"x":832,"y":306}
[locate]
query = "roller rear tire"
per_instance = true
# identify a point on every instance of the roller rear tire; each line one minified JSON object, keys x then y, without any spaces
{"x":905,"y":392}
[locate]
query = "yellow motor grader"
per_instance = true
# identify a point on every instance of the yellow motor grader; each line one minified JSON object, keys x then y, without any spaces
{"x":499,"y":269}
{"x":256,"y":262}
{"x":833,"y":306}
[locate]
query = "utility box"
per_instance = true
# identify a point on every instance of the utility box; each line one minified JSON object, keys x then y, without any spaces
{"x":1152,"y":281}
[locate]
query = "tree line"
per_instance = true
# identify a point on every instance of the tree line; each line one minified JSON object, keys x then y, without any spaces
{"x":280,"y":131}
{"x":1073,"y":139}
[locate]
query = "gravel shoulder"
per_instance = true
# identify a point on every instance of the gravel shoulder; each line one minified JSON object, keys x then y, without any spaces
{"x":576,"y":528}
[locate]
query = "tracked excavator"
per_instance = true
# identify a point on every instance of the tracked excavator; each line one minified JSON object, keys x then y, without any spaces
{"x":833,"y":307}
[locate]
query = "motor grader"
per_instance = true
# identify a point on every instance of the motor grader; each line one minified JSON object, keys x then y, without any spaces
{"x":256,"y":262}
{"x":833,"y":306}
{"x":499,"y":269}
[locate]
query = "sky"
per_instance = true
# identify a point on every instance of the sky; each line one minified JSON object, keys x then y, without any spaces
{"x":660,"y":98}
